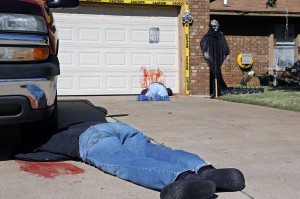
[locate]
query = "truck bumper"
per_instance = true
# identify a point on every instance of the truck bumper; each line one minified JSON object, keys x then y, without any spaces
{"x":24,"y":100}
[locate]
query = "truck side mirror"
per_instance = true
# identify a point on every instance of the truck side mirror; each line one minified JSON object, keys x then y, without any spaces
{"x":63,"y":3}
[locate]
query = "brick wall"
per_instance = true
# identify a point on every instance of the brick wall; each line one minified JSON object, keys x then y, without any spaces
{"x":199,"y":72}
{"x":240,"y":38}
{"x":243,"y":33}
{"x":257,"y":45}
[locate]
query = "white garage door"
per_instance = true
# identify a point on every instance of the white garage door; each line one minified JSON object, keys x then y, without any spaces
{"x":105,"y":47}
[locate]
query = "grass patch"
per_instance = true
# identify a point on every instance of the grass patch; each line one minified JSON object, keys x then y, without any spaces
{"x":283,"y":97}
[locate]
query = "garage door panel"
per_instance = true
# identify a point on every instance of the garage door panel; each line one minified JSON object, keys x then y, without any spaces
{"x":90,"y":59}
{"x":66,"y":34}
{"x":117,"y":59}
{"x":65,"y":82}
{"x":66,"y":58}
{"x":166,"y":59}
{"x":136,"y":82}
{"x":117,"y":83}
{"x":90,"y":34}
{"x":140,"y":36}
{"x":80,"y":58}
{"x":104,"y":47}
{"x":90,"y":82}
{"x":171,"y":80}
{"x":168,"y":37}
{"x":139,"y":59}
{"x":115,"y":35}
{"x":114,"y":84}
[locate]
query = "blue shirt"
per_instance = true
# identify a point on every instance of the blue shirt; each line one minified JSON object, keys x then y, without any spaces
{"x":156,"y":89}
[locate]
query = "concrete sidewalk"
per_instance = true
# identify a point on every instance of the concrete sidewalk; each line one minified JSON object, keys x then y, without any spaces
{"x":262,"y":142}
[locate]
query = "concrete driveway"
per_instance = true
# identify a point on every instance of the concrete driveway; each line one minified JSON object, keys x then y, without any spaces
{"x":262,"y":142}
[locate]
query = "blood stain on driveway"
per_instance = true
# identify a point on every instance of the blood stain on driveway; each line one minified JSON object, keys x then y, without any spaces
{"x":49,"y":169}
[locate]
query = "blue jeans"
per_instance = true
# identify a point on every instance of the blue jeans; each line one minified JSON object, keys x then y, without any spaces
{"x":123,"y":151}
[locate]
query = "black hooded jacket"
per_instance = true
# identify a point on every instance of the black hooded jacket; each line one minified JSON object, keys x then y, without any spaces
{"x":214,"y":43}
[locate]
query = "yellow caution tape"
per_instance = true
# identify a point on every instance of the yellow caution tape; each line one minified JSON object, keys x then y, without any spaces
{"x":168,"y":3}
{"x":187,"y":55}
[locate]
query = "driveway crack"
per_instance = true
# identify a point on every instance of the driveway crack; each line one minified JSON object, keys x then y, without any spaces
{"x":248,"y":195}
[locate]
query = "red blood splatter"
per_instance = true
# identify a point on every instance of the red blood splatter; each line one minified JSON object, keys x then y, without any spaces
{"x":49,"y":169}
{"x":150,"y":76}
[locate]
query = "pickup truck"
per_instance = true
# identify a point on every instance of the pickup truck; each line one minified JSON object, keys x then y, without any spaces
{"x":28,"y":60}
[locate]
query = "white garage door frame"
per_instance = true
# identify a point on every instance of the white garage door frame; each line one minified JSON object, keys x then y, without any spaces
{"x":72,"y":82}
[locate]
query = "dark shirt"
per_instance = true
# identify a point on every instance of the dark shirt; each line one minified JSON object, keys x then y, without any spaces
{"x":61,"y":146}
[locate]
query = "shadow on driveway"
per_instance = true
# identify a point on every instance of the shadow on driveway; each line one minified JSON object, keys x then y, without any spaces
{"x":16,"y":139}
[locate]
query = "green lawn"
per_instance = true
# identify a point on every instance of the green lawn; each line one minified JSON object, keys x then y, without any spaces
{"x":283,"y":97}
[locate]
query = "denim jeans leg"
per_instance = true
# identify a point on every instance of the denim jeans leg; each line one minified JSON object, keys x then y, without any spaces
{"x":110,"y":156}
{"x":143,"y":147}
{"x":121,"y":150}
{"x":140,"y":144}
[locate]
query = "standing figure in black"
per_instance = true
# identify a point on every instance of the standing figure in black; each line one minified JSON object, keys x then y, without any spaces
{"x":215,"y":50}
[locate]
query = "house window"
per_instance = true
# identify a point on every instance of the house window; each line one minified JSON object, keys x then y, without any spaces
{"x":284,"y":46}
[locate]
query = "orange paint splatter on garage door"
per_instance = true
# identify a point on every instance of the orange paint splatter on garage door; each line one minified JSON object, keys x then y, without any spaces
{"x":49,"y":169}
{"x":151,"y":75}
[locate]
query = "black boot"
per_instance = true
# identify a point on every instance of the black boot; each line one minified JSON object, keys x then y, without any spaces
{"x":189,"y":189}
{"x":228,"y":179}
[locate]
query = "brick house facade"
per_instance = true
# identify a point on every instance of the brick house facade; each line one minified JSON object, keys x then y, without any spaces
{"x":199,"y":71}
{"x":248,"y":27}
